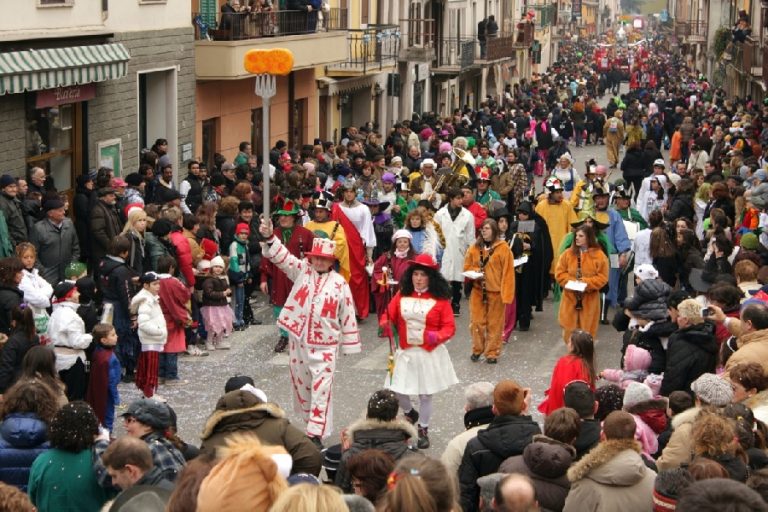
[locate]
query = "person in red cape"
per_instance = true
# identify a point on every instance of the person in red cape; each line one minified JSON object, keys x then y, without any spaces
{"x":577,"y":365}
{"x":102,"y":391}
{"x":361,"y":239}
{"x":274,"y":282}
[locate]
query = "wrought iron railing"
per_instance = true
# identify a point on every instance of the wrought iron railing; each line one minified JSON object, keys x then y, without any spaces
{"x":500,"y":47}
{"x":697,"y":29}
{"x":254,"y":25}
{"x":454,"y":53}
{"x":371,"y":48}
{"x":417,"y":33}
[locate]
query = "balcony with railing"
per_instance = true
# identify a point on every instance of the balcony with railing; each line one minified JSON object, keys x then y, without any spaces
{"x":223,"y":39}
{"x":372,"y":49}
{"x":499,"y":47}
{"x":417,"y":42}
{"x":454,"y":54}
{"x":523,"y":35}
{"x":691,"y":31}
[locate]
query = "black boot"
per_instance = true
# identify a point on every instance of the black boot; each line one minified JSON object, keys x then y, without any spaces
{"x":282,"y":343}
{"x":423,"y":442}
{"x":412,"y":416}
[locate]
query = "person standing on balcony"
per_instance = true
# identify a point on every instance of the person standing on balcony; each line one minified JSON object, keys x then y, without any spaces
{"x":481,"y":36}
{"x":491,"y":28}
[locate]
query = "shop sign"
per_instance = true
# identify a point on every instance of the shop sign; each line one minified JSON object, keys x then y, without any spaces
{"x":64,"y":95}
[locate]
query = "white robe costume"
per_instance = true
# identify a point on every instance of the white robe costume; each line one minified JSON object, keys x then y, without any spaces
{"x":319,"y":317}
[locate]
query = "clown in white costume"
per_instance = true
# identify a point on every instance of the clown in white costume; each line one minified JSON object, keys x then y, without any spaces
{"x":319,"y":316}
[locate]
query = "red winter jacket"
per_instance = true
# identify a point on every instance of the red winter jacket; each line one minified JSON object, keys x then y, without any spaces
{"x":183,"y":256}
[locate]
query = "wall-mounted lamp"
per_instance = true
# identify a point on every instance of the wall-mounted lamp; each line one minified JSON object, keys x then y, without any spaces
{"x":377,"y":90}
{"x":343,"y":101}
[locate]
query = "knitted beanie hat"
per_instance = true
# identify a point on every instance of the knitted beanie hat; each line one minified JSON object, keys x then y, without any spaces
{"x":712,"y":390}
{"x":635,"y":393}
{"x":247,"y":474}
{"x":749,"y":241}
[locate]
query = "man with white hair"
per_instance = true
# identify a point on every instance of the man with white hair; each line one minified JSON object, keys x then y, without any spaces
{"x":478,"y":413}
{"x":423,"y":182}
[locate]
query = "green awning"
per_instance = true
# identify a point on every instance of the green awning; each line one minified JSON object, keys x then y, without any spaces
{"x":33,"y":70}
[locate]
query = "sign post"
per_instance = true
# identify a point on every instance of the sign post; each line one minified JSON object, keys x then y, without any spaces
{"x":266,"y":65}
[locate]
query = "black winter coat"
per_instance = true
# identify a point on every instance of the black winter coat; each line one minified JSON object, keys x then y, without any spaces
{"x":650,"y":300}
{"x":13,"y":352}
{"x":649,"y":157}
{"x":633,"y":166}
{"x":391,"y":437}
{"x":681,"y":206}
{"x":10,"y":297}
{"x":545,"y":461}
{"x":506,"y":436}
{"x":691,"y":352}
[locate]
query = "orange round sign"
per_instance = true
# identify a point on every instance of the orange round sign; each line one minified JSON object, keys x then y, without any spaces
{"x":276,"y":61}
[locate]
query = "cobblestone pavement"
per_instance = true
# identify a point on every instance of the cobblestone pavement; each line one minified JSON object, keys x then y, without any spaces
{"x":528,"y":358}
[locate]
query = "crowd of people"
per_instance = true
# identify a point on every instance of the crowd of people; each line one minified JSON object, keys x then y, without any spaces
{"x":410,"y":224}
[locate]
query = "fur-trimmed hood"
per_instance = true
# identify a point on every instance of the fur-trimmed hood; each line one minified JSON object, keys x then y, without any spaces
{"x":687,"y":416}
{"x":252,"y":414}
{"x":614,"y":462}
{"x":373,"y":424}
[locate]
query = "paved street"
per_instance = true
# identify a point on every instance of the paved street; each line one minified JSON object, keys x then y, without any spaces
{"x":528,"y":358}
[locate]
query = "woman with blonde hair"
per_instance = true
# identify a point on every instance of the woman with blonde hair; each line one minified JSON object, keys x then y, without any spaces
{"x":309,"y":498}
{"x":134,"y":230}
{"x":420,"y":484}
{"x":37,"y":291}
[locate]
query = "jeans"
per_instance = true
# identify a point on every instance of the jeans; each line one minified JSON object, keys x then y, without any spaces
{"x":128,"y":346}
{"x":578,"y":134}
{"x":239,"y":293}
{"x":169,"y":366}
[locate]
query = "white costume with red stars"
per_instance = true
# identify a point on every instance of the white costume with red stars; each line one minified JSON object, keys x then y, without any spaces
{"x":319,"y":316}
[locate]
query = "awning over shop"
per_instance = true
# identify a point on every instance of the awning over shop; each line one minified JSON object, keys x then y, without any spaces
{"x":347,"y":85}
{"x":33,"y":70}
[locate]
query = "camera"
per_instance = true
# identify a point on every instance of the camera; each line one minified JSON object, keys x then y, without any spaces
{"x":705,"y":312}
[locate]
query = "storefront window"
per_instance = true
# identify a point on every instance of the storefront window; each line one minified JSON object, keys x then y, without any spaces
{"x":49,"y":140}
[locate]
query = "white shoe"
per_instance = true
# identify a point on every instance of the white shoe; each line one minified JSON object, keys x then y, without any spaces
{"x":157,"y":397}
{"x":210,"y":347}
{"x":223,"y":345}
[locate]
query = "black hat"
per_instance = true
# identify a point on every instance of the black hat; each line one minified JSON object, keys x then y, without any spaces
{"x":105,"y":191}
{"x":162,"y":227}
{"x":6,"y":180}
{"x":53,"y":204}
{"x":62,"y":289}
{"x":149,"y":277}
{"x":150,"y":412}
{"x":237,"y":382}
{"x":498,"y":213}
{"x":621,"y":193}
{"x":134,"y":179}
{"x":166,"y":195}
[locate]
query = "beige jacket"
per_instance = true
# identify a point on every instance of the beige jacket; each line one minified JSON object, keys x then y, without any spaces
{"x":679,"y":449}
{"x":612,"y":477}
{"x":753,"y":348}
{"x":453,"y":453}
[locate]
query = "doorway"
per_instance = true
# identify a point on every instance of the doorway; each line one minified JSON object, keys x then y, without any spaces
{"x":157,"y":119}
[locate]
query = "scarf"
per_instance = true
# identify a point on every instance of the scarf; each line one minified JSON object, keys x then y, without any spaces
{"x":401,"y":254}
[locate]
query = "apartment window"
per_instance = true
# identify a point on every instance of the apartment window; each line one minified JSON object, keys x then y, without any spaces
{"x":54,"y":3}
{"x":210,"y":130}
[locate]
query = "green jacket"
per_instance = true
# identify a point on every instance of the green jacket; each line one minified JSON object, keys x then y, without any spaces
{"x":634,"y":216}
{"x":6,"y":248}
{"x":62,"y":481}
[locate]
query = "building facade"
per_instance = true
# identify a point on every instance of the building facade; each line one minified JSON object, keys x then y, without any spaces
{"x":99,"y":83}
